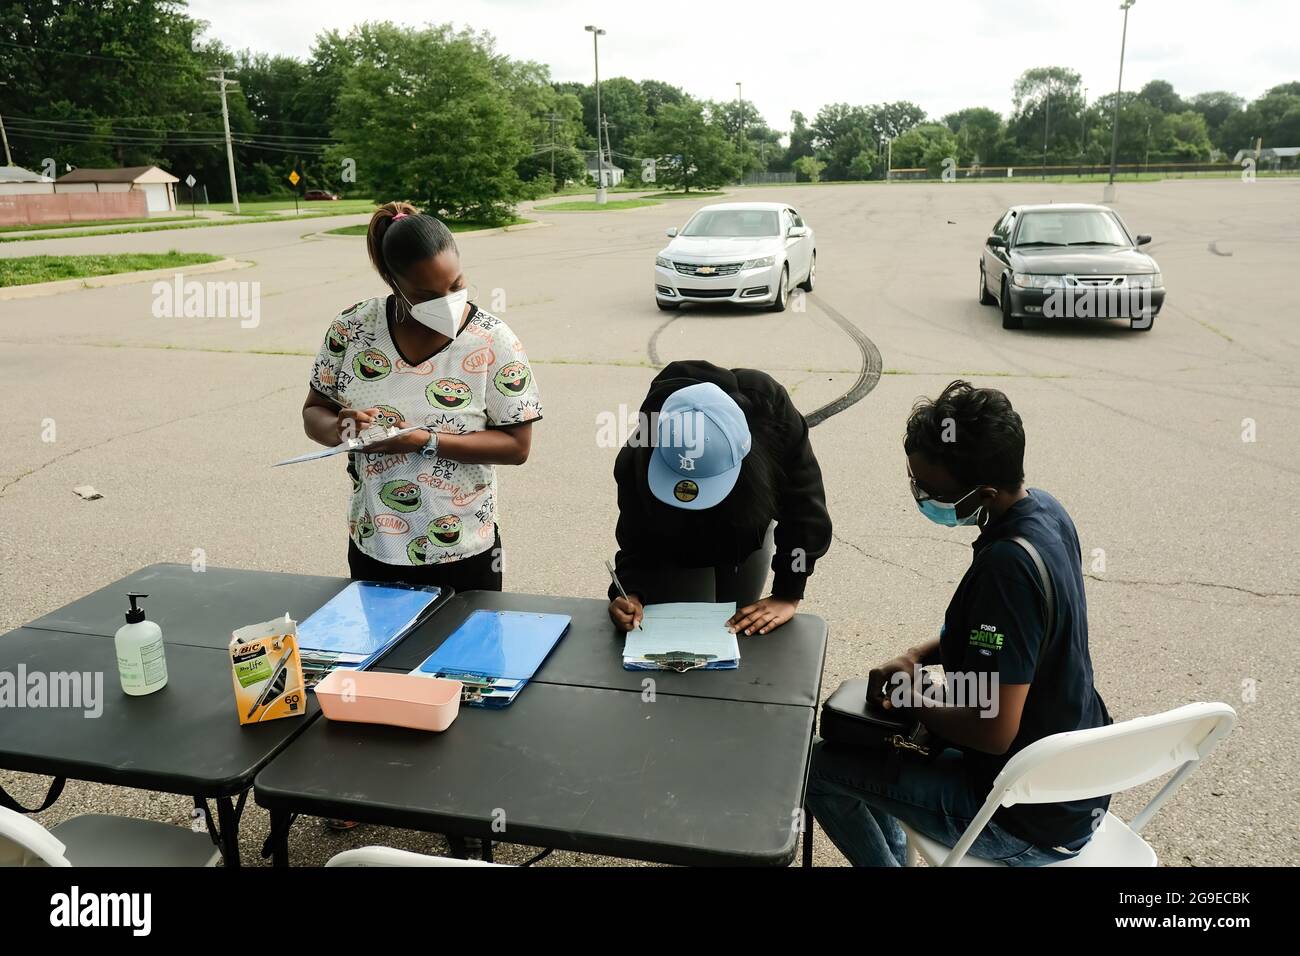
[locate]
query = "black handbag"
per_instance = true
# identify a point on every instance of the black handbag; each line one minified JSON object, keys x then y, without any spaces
{"x":848,"y":719}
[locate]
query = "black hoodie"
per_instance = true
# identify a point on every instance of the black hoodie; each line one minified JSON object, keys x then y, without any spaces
{"x":780,"y":480}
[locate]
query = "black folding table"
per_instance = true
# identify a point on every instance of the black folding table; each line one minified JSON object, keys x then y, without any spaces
{"x":706,"y":767}
{"x":183,"y":739}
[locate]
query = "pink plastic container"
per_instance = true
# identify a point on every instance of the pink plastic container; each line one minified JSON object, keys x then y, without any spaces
{"x":400,"y":700}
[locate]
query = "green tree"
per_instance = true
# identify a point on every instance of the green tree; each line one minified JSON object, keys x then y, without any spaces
{"x":1048,"y":103}
{"x":428,"y":115}
{"x":862,"y":165}
{"x":981,"y":136}
{"x":1217,"y":106}
{"x":801,"y":142}
{"x":1161,"y":95}
{"x":810,"y":167}
{"x":927,"y":145}
{"x":690,"y":147}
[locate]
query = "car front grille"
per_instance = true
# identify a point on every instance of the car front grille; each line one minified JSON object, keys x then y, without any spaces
{"x":707,"y":293}
{"x":711,"y":268}
{"x":1094,"y":282}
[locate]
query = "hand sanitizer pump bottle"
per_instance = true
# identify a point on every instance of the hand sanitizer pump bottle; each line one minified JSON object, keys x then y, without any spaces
{"x":140,"y":661}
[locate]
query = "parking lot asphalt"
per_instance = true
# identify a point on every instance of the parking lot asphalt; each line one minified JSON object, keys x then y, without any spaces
{"x":1177,"y":451}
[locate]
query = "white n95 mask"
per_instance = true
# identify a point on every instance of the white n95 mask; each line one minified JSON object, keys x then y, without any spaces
{"x":442,"y":315}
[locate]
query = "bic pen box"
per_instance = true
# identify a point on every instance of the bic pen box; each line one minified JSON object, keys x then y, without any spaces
{"x":399,"y":700}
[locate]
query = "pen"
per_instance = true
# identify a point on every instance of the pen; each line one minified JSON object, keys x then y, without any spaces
{"x":618,"y":584}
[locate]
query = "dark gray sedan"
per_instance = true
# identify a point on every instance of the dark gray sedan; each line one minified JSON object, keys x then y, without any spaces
{"x":1069,"y":261}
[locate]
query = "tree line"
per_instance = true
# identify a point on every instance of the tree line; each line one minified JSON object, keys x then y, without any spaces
{"x":440,"y":116}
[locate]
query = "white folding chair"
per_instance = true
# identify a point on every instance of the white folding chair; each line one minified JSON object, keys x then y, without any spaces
{"x":95,"y":839}
{"x":388,"y":856}
{"x":1083,"y":764}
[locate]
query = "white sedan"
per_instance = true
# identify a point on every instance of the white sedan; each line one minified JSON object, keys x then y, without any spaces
{"x":750,"y":253}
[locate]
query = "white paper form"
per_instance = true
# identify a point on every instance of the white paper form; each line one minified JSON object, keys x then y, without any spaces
{"x":683,"y":636}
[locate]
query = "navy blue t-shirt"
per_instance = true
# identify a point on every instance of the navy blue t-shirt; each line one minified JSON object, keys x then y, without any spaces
{"x":995,"y":624}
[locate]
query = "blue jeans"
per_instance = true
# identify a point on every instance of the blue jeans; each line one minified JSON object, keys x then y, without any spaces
{"x":851,"y":794}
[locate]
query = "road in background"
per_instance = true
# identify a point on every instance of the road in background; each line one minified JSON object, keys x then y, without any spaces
{"x":1188,"y":531}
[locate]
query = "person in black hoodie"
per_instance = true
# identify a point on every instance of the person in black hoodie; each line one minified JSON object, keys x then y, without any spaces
{"x":719,"y":479}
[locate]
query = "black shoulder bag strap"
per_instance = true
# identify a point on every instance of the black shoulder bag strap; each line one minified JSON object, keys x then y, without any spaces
{"x":56,"y":788}
{"x":1049,"y":625}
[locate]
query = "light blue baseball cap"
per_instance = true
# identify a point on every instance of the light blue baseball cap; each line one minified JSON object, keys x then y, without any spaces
{"x":701,"y":439}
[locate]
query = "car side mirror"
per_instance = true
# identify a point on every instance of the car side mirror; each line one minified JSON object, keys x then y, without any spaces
{"x":997,"y":242}
{"x":671,"y":233}
{"x":1143,"y":239}
{"x":796,"y":232}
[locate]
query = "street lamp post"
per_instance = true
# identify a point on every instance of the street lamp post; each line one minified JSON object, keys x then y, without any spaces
{"x":1109,"y":193}
{"x":596,"y":34}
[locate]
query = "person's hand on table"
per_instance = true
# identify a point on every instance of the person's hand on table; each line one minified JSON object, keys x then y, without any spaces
{"x":626,"y":612}
{"x":763,"y":616}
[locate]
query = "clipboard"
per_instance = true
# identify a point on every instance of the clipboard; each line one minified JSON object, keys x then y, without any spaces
{"x":370,"y":436}
{"x":495,"y":653}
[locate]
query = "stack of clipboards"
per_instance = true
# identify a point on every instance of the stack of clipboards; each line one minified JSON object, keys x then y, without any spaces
{"x":494,"y":654}
{"x":360,"y":624}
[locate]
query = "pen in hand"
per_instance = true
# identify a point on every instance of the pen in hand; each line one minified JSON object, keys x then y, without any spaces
{"x":618,"y":584}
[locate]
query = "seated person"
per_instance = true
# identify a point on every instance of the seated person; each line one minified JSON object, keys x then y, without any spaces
{"x":718,"y":482}
{"x":965,"y":454}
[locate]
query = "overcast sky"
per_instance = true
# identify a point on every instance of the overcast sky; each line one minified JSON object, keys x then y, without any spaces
{"x":801,"y":54}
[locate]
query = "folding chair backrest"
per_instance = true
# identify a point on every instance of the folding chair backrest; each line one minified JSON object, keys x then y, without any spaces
{"x":390,"y":856}
{"x":1084,"y":764}
{"x":24,"y":842}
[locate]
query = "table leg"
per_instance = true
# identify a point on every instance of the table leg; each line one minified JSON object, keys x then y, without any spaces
{"x":281,"y":821}
{"x":228,"y":824}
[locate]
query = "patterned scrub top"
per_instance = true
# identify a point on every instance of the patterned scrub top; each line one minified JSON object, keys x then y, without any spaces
{"x":407,"y":509}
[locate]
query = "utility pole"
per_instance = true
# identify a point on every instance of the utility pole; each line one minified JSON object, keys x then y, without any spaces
{"x":596,"y":34}
{"x":552,"y":117}
{"x":1083,"y":132}
{"x":223,"y":84}
{"x":9,"y":160}
{"x":609,"y":150}
{"x":1109,"y":194}
{"x":1047,"y":125}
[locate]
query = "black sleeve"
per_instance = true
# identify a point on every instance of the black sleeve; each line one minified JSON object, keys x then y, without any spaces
{"x":634,"y":562}
{"x":803,"y":525}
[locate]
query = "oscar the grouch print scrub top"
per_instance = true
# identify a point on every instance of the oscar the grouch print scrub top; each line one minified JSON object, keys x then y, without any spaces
{"x":408,"y":509}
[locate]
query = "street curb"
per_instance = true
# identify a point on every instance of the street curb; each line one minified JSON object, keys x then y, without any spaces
{"x":518,"y":227}
{"x":35,"y":289}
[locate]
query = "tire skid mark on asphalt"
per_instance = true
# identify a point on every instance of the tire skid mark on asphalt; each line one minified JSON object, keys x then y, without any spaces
{"x":869,"y":369}
{"x":868,"y":374}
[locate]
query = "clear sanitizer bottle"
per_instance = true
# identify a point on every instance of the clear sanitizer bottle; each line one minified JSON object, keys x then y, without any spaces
{"x":140,"y":661}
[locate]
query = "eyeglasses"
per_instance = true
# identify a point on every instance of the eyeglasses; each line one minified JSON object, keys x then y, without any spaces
{"x":920,"y":494}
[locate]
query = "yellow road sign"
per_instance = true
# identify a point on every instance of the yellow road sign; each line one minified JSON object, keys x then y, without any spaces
{"x":294,"y":177}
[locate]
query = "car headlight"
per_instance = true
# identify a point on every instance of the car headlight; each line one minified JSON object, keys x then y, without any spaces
{"x":1027,"y":280}
{"x":1153,"y":281}
{"x":663,"y":263}
{"x":762,"y":263}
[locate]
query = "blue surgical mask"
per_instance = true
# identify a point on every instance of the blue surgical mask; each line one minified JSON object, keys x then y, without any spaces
{"x":943,"y":513}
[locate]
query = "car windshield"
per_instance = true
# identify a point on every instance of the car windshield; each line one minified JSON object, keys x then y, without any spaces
{"x":1074,"y":228}
{"x":747,"y":223}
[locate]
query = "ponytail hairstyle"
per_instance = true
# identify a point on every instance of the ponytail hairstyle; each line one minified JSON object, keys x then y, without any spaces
{"x":399,"y":236}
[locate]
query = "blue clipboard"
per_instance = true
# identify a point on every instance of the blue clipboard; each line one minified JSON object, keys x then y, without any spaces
{"x":364,"y":620}
{"x":495,"y":653}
